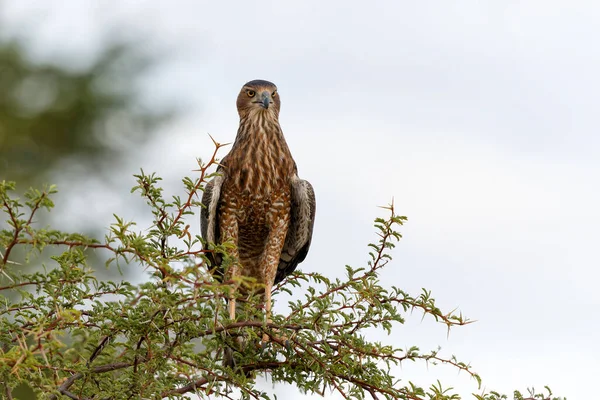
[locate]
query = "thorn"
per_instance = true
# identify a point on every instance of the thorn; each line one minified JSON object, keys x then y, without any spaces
{"x":5,"y":274}
{"x":199,"y":162}
{"x":213,"y":140}
{"x":217,"y":144}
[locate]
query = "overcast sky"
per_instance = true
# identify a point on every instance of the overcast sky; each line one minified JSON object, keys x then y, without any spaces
{"x":479,"y":118}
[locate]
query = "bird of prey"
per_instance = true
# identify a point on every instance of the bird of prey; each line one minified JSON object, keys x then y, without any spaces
{"x":257,"y":201}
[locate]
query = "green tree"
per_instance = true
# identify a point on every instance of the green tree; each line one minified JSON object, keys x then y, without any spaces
{"x":69,"y":334}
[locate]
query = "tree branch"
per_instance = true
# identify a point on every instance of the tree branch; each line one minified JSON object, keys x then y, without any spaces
{"x":63,"y":389}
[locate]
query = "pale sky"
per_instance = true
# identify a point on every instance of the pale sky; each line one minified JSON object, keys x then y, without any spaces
{"x":479,"y":118}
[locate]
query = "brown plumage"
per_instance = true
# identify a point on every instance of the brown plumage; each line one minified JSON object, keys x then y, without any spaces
{"x":258,"y":202}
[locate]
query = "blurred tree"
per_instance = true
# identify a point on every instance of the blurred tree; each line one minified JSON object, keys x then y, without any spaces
{"x":54,"y":117}
{"x":51,"y":116}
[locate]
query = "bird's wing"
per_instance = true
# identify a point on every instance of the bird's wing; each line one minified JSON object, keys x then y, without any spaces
{"x":302,"y":219}
{"x":209,"y":224}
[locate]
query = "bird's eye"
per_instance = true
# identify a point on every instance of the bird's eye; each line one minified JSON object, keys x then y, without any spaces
{"x":274,"y":93}
{"x":250,"y":93}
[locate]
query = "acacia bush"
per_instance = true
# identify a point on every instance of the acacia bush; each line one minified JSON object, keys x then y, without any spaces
{"x":68,"y":335}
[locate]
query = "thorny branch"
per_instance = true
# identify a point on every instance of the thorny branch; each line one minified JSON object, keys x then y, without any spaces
{"x":146,"y":335}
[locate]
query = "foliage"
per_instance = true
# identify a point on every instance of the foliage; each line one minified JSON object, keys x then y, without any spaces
{"x":53,"y":115}
{"x":76,"y":116}
{"x":69,"y":334}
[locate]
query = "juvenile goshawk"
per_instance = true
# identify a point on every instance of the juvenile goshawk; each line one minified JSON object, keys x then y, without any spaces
{"x":257,"y":201}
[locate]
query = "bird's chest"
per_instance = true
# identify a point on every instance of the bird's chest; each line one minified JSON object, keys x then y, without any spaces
{"x":256,"y":208}
{"x":257,"y":185}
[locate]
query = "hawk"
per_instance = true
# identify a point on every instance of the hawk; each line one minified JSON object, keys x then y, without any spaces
{"x":257,"y":201}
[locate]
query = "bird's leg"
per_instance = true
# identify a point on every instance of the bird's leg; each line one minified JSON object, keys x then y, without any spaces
{"x":272,"y":254}
{"x":233,"y":274}
{"x":230,"y":234}
{"x":267,"y":319}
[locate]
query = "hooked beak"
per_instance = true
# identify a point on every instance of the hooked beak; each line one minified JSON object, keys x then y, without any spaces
{"x":265,"y":99}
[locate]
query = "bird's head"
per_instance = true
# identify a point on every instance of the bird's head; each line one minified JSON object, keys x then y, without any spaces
{"x":258,"y":97}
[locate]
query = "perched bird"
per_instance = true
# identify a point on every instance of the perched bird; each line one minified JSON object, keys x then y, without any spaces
{"x":257,"y":201}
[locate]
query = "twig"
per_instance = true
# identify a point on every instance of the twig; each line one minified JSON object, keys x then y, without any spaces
{"x":378,"y":263}
{"x":63,"y":389}
{"x":17,"y":227}
{"x":14,"y":241}
{"x":70,"y":395}
{"x":8,"y":392}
